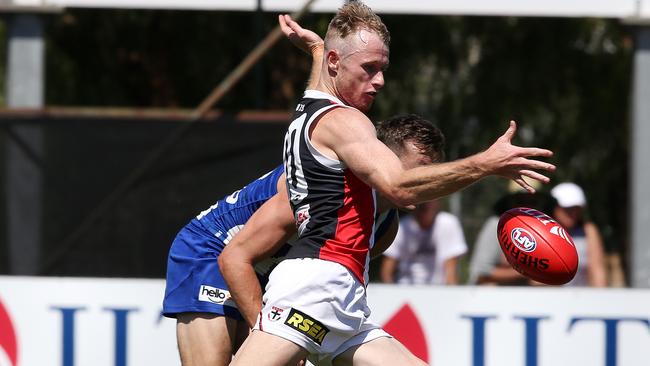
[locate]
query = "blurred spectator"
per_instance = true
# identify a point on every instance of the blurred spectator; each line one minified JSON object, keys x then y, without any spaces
{"x":426,"y":248}
{"x":570,"y":213}
{"x":488,"y":265}
{"x":614,"y":269}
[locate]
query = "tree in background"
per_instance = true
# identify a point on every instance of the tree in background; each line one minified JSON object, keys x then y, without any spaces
{"x":566,"y":81}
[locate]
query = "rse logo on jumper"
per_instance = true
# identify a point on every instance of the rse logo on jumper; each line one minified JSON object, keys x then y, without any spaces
{"x":303,"y":323}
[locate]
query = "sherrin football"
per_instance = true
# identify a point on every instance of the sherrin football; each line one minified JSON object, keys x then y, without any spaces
{"x":537,"y":246}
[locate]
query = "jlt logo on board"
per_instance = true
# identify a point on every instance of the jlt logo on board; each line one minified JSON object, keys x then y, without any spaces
{"x":126,"y":330}
{"x":405,"y":326}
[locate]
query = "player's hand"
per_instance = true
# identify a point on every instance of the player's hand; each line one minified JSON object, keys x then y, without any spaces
{"x":304,"y":39}
{"x":507,"y":160}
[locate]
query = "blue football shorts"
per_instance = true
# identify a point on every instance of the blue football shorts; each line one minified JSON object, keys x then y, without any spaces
{"x":194,"y":281}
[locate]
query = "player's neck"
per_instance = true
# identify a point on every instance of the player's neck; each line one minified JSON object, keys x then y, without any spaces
{"x":327,"y":87}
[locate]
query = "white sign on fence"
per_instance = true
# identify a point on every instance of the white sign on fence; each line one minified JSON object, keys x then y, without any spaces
{"x":117,"y":322}
{"x":472,"y":326}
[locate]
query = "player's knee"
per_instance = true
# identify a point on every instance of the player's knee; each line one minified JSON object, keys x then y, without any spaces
{"x":205,"y":357}
{"x":204,"y":339}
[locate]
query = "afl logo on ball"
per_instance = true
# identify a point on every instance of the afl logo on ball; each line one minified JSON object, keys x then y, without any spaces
{"x":523,"y":239}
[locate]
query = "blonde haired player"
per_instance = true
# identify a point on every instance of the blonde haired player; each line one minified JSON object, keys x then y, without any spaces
{"x":210,"y":326}
{"x":315,"y":300}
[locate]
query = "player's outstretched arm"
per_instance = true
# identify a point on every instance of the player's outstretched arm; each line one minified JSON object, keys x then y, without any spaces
{"x":350,"y":137}
{"x":509,"y":161}
{"x":264,"y":233}
{"x":500,"y":159}
{"x":307,"y":41}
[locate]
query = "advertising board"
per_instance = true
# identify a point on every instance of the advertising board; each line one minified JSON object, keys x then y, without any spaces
{"x":117,"y":322}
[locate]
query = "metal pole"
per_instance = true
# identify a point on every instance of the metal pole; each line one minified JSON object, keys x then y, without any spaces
{"x":25,"y":60}
{"x":639,"y":249}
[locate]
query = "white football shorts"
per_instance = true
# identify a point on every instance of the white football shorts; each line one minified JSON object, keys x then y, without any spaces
{"x":318,"y":305}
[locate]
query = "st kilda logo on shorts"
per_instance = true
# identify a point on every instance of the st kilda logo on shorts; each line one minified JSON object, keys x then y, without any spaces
{"x":275,"y":314}
{"x":306,"y":325}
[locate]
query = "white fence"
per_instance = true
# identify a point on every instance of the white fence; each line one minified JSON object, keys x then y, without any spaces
{"x":102,"y":322}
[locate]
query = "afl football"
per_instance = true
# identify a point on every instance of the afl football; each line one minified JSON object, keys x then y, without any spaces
{"x":537,"y":246}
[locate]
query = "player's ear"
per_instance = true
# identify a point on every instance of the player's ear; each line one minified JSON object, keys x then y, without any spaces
{"x":333,"y":61}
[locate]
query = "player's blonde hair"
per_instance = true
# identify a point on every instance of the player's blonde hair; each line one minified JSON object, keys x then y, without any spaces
{"x":352,"y":17}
